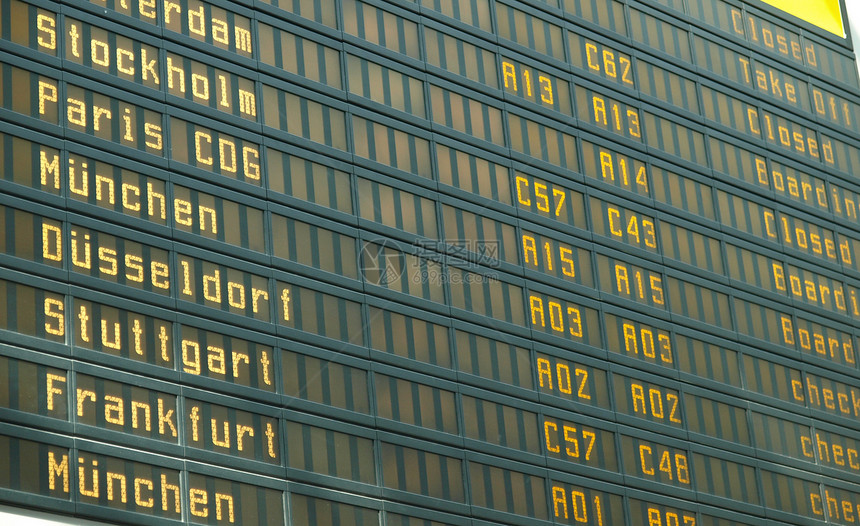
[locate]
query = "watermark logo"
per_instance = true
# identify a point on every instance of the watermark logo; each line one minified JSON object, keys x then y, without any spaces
{"x":382,"y":263}
{"x":462,"y":252}
{"x":430,"y":262}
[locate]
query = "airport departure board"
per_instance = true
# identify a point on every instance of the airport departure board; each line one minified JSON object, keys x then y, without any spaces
{"x":430,"y":262}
